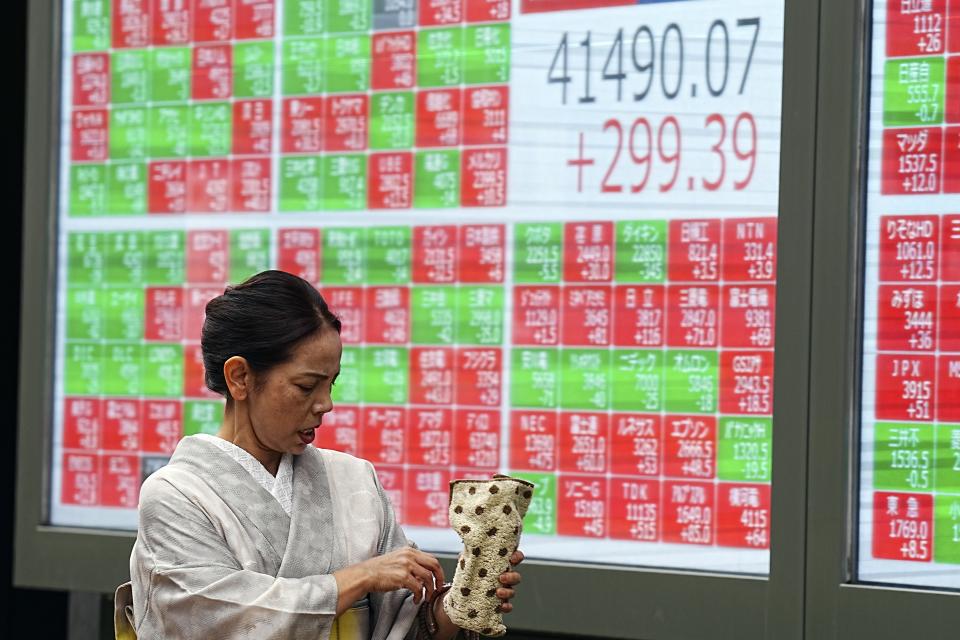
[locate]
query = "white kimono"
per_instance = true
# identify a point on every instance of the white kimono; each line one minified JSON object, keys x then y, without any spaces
{"x":217,"y":556}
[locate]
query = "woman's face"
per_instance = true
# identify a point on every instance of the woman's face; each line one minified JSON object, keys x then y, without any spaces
{"x":287,"y":403}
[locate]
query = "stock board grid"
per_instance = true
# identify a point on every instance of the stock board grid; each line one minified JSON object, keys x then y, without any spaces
{"x":912,"y":438}
{"x":203,"y":108}
{"x":639,"y":360}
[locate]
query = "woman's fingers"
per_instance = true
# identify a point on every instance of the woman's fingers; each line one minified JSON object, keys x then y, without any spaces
{"x":427,"y":572}
{"x":407,"y":568}
{"x":517,"y":557}
{"x":505,"y":593}
{"x":432,"y":565}
{"x":415,"y":587}
{"x":510,"y":578}
{"x":424,"y":577}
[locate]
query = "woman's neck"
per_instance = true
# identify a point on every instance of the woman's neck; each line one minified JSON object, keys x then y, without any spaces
{"x":236,"y":428}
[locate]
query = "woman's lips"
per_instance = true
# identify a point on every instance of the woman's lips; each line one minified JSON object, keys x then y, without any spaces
{"x":307,"y":435}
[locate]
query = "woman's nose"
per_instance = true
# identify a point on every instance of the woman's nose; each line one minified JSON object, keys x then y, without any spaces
{"x":323,"y":406}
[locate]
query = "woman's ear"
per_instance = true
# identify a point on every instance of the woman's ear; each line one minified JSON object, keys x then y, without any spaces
{"x":239,"y":377}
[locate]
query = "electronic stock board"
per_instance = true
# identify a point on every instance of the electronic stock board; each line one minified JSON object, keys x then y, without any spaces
{"x":548,"y":226}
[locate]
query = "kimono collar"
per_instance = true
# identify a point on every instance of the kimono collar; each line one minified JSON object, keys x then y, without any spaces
{"x":315,"y":540}
{"x":238,"y":490}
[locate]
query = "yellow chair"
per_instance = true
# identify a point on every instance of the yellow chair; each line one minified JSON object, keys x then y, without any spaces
{"x":123,"y":613}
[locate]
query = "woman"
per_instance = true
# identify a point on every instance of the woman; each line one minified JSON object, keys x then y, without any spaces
{"x":253,"y":533}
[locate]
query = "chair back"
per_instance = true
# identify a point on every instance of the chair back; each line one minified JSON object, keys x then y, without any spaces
{"x":123,"y":613}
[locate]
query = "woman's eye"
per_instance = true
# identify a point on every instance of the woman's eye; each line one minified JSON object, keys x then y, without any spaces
{"x":304,"y":389}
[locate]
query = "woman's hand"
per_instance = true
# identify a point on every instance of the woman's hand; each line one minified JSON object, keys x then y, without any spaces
{"x":509,"y":580}
{"x":406,"y":568}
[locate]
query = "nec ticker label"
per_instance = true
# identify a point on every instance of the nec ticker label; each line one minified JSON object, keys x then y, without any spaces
{"x":548,"y":226}
{"x":910,"y":452}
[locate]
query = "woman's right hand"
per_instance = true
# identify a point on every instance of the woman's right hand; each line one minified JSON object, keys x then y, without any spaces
{"x":405,"y":568}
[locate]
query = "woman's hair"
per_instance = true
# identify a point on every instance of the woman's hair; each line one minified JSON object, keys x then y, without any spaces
{"x":261,"y":320}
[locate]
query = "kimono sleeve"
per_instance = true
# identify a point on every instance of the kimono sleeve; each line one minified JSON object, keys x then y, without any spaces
{"x":188,"y":583}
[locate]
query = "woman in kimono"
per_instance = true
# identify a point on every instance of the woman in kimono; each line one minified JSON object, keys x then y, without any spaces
{"x":253,"y":533}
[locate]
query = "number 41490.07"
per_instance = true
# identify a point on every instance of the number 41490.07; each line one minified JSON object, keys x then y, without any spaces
{"x":668,"y":63}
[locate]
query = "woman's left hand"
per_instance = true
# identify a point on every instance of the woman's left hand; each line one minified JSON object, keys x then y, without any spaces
{"x":509,"y":580}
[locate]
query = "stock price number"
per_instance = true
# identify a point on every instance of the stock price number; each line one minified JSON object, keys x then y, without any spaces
{"x":641,"y":145}
{"x":668,"y":64}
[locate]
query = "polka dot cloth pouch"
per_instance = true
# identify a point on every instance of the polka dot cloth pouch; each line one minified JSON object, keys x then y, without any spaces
{"x":487,"y":515}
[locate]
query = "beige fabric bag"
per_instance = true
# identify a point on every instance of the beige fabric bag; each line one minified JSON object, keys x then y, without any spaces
{"x":487,"y":515}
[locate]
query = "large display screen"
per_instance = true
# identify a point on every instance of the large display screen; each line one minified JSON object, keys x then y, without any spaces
{"x":910,"y":416}
{"x":548,"y":226}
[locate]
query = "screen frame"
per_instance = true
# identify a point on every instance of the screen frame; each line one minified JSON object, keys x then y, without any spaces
{"x":837,"y":605}
{"x":568,"y":598}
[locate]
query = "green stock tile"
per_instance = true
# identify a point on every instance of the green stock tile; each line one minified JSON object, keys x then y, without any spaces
{"x":303,"y":66}
{"x":83,"y":368}
{"x":913,"y":91}
{"x":124,"y":254}
{"x":86,"y":258}
{"x":91,"y":25}
{"x":440,"y":57}
{"x":210,"y":129}
{"x":88,"y":189}
{"x":344,"y":182}
{"x":538,"y":252}
{"x":542,"y":513}
{"x":434,"y":311}
{"x":170,"y":69}
{"x":641,"y":251}
{"x":128,"y":133}
{"x":300,"y":183}
{"x":84,"y":313}
{"x":127,"y":189}
{"x":253,"y":69}
{"x":202,"y":416}
{"x":303,"y":17}
{"x":637,"y":379}
{"x":347,"y":63}
{"x":947,"y":470}
{"x":487,"y":54}
{"x":946,"y":528}
{"x":165,"y":257}
{"x":585,"y":379}
{"x":692,"y":381}
{"x":123,"y":311}
{"x":745,"y":449}
{"x":129,"y":76}
{"x":347,"y":389}
{"x":385,"y":372}
{"x":903,"y":456}
{"x":122,"y":370}
{"x":392,"y":120}
{"x":169,"y":131}
{"x":163,"y":370}
{"x":436,"y":182}
{"x":344,"y":16}
{"x":249,"y":253}
{"x":535,"y":378}
{"x":344,"y":256}
{"x":480,"y":315}
{"x":388,"y":255}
